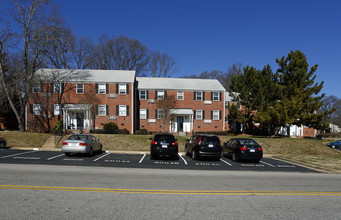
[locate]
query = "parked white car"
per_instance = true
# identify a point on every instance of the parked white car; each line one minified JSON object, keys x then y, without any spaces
{"x":81,"y":143}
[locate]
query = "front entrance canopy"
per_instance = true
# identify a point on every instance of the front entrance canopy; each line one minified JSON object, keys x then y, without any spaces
{"x":78,"y":116}
{"x":181,"y":111}
{"x":76,"y":107}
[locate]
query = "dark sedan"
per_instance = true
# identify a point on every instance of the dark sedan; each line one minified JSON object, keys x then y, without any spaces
{"x":163,"y":144}
{"x":243,"y":148}
{"x":203,"y":146}
{"x":3,"y":142}
{"x":335,"y":144}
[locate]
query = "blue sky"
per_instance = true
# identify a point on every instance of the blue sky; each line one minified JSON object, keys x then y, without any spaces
{"x":212,"y":34}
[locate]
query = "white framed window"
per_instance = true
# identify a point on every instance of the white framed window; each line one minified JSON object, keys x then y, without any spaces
{"x":57,"y":109}
{"x":143,"y":94}
{"x":102,"y":110}
{"x":199,"y":96}
{"x":180,"y":95}
{"x":102,"y":88}
{"x":215,"y":96}
{"x":215,"y":114}
{"x":36,"y":87}
{"x":57,"y":88}
{"x":198,"y":114}
{"x":161,"y":114}
{"x":122,"y":88}
{"x":122,"y":110}
{"x":79,"y":88}
{"x":143,"y":113}
{"x":36,"y":109}
{"x":160,"y":95}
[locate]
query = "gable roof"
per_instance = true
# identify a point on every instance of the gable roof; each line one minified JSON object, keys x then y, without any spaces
{"x":81,"y":75}
{"x":179,"y":84}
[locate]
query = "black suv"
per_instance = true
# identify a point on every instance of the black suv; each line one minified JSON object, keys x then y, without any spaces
{"x":163,"y":144}
{"x":201,"y":145}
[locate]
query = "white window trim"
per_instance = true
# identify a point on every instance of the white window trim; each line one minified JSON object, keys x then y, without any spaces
{"x":160,"y":97}
{"x":122,"y":110}
{"x":122,"y":88}
{"x":216,"y":115}
{"x":54,"y":87}
{"x":201,"y":96}
{"x":145,"y":94}
{"x":163,"y":114}
{"x":36,"y":88}
{"x":57,"y":108}
{"x":79,"y":88}
{"x":100,"y":112}
{"x":196,"y":114}
{"x":143,"y":113}
{"x":181,"y":95}
{"x":36,"y":109}
{"x":102,"y":90}
{"x":216,"y":98}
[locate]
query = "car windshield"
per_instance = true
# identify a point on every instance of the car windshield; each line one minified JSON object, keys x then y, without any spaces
{"x":164,"y":138}
{"x":247,"y":142}
{"x":78,"y":137}
{"x":210,"y":139}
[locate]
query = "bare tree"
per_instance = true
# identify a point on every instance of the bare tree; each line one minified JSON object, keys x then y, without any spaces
{"x":32,"y":22}
{"x":169,"y":102}
{"x":82,"y":51}
{"x":333,"y":104}
{"x":161,"y":65}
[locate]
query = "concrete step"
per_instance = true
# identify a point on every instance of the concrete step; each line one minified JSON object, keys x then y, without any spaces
{"x":49,"y":143}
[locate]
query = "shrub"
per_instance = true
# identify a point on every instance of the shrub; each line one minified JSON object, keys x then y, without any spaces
{"x":124,"y":131}
{"x":58,"y":127}
{"x":110,"y":128}
{"x":142,"y":132}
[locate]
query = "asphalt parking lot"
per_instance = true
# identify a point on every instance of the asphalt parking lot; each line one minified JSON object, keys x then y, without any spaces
{"x":142,"y":160}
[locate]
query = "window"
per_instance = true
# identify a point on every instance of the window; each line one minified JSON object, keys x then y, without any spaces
{"x":143,"y":113}
{"x":161,"y":114}
{"x":160,"y":95}
{"x":215,"y":96}
{"x":122,"y":88}
{"x":102,"y":88}
{"x":57,"y":109}
{"x":102,"y":110}
{"x":36,"y":87}
{"x":36,"y":110}
{"x":198,"y":114}
{"x":198,"y":96}
{"x":122,"y":110}
{"x":143,"y":95}
{"x":215,"y":114}
{"x":79,"y":88}
{"x":180,"y":95}
{"x":57,"y":88}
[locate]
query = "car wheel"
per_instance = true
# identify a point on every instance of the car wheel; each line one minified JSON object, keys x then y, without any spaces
{"x":217,"y":158}
{"x":234,"y":157}
{"x":2,"y":145}
{"x":257,"y":161}
{"x":186,"y":152}
{"x":67,"y":154}
{"x":90,"y":152}
{"x":152,"y":157}
{"x":100,"y":149}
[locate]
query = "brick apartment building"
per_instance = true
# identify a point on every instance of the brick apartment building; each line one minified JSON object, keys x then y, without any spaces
{"x":83,"y":99}
{"x":198,"y":106}
{"x":88,"y":99}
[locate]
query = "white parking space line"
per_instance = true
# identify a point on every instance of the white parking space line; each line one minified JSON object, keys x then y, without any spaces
{"x":55,"y":157}
{"x":267,"y":164}
{"x":226,"y":162}
{"x":101,"y":157}
{"x":144,"y":155}
{"x":183,"y":159}
{"x":17,"y":154}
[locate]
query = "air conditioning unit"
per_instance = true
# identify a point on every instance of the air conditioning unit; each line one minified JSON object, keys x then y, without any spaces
{"x":112,"y":95}
{"x":151,"y":100}
{"x":112,"y":117}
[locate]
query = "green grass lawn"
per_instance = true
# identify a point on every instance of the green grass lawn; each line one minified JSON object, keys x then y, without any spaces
{"x":310,"y":151}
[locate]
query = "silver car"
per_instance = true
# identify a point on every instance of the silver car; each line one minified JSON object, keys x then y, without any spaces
{"x":3,"y":142}
{"x":81,"y":143}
